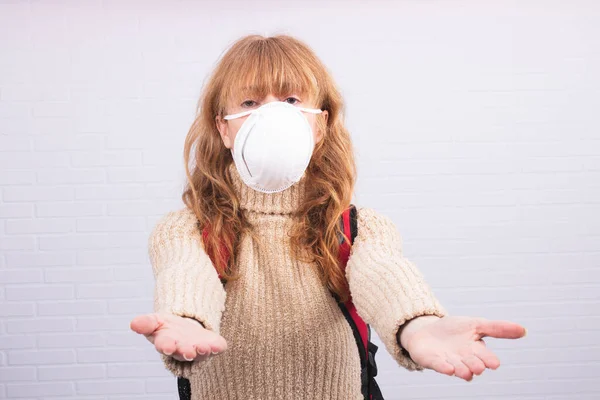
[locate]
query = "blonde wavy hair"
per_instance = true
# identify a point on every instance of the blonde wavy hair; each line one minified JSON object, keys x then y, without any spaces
{"x":282,"y":65}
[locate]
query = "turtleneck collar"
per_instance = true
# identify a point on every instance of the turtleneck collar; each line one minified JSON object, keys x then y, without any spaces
{"x":285,"y":202}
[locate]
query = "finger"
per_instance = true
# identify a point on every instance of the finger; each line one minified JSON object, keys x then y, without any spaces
{"x":165,"y":344}
{"x":211,"y":343}
{"x":146,"y":324}
{"x":460,"y":369}
{"x":475,"y":364}
{"x":187,"y":351}
{"x":218,"y":344}
{"x":442,"y":366}
{"x":487,"y":356}
{"x":500,"y":329}
{"x":203,"y":349}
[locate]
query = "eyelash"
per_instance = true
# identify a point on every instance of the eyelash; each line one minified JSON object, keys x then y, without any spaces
{"x":292,"y":97}
{"x":244,"y":104}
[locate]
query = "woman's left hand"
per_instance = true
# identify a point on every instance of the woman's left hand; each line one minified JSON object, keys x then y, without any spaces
{"x":454,"y":345}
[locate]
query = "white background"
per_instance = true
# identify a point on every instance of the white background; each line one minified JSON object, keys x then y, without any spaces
{"x":476,"y":129}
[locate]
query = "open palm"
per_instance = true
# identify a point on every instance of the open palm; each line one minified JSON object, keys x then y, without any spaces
{"x":454,"y":345}
{"x":184,"y":339}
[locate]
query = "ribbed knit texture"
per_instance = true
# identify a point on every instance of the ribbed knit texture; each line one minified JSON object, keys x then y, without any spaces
{"x":387,"y":289}
{"x":186,"y":281}
{"x":287,"y":338}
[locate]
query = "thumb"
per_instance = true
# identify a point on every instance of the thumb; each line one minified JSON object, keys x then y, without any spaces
{"x":146,"y":324}
{"x":500,"y":329}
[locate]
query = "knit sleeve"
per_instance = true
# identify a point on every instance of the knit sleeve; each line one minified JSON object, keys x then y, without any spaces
{"x":187,"y":283}
{"x":386,"y":288}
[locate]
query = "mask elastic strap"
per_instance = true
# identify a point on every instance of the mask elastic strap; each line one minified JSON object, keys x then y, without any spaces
{"x":244,"y":113}
{"x":238,"y":115}
{"x":311,"y":110}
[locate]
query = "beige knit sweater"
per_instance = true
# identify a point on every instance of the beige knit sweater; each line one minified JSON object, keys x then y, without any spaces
{"x":287,"y":338}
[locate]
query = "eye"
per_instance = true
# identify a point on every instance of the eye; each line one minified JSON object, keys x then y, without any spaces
{"x":248,"y":103}
{"x":292,"y":100}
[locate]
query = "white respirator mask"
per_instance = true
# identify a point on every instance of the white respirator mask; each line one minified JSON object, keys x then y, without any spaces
{"x":274,"y":145}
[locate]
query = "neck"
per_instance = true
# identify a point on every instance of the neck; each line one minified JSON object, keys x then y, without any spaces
{"x":285,"y":202}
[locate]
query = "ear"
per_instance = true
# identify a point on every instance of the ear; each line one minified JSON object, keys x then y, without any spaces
{"x":223,"y":128}
{"x":320,"y":134}
{"x":325,"y":114}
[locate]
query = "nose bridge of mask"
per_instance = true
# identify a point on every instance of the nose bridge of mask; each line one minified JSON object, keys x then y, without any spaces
{"x":271,"y":104}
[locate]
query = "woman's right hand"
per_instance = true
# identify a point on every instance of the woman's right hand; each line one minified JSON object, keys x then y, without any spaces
{"x":184,"y":339}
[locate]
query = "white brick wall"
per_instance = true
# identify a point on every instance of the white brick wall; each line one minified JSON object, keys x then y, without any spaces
{"x":476,"y":129}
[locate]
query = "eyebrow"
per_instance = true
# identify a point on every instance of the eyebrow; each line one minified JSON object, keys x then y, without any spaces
{"x":249,"y":96}
{"x":254,"y":89}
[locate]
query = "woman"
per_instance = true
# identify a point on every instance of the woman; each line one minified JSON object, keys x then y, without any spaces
{"x":270,"y":172}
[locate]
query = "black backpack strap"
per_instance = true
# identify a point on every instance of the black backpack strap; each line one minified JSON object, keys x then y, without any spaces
{"x":184,"y":388}
{"x":374,"y":390}
{"x":353,"y":222}
{"x":364,"y":376}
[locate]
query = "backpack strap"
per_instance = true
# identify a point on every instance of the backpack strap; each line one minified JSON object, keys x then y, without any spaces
{"x":344,"y":255}
{"x":184,"y":388}
{"x":362,"y":332}
{"x":225,"y":253}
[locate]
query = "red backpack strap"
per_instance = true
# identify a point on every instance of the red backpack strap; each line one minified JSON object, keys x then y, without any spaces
{"x":205,"y":235}
{"x":348,"y":219}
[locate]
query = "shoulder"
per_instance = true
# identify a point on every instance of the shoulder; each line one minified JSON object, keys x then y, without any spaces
{"x":375,"y":227}
{"x":175,"y":224}
{"x":370,"y":217}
